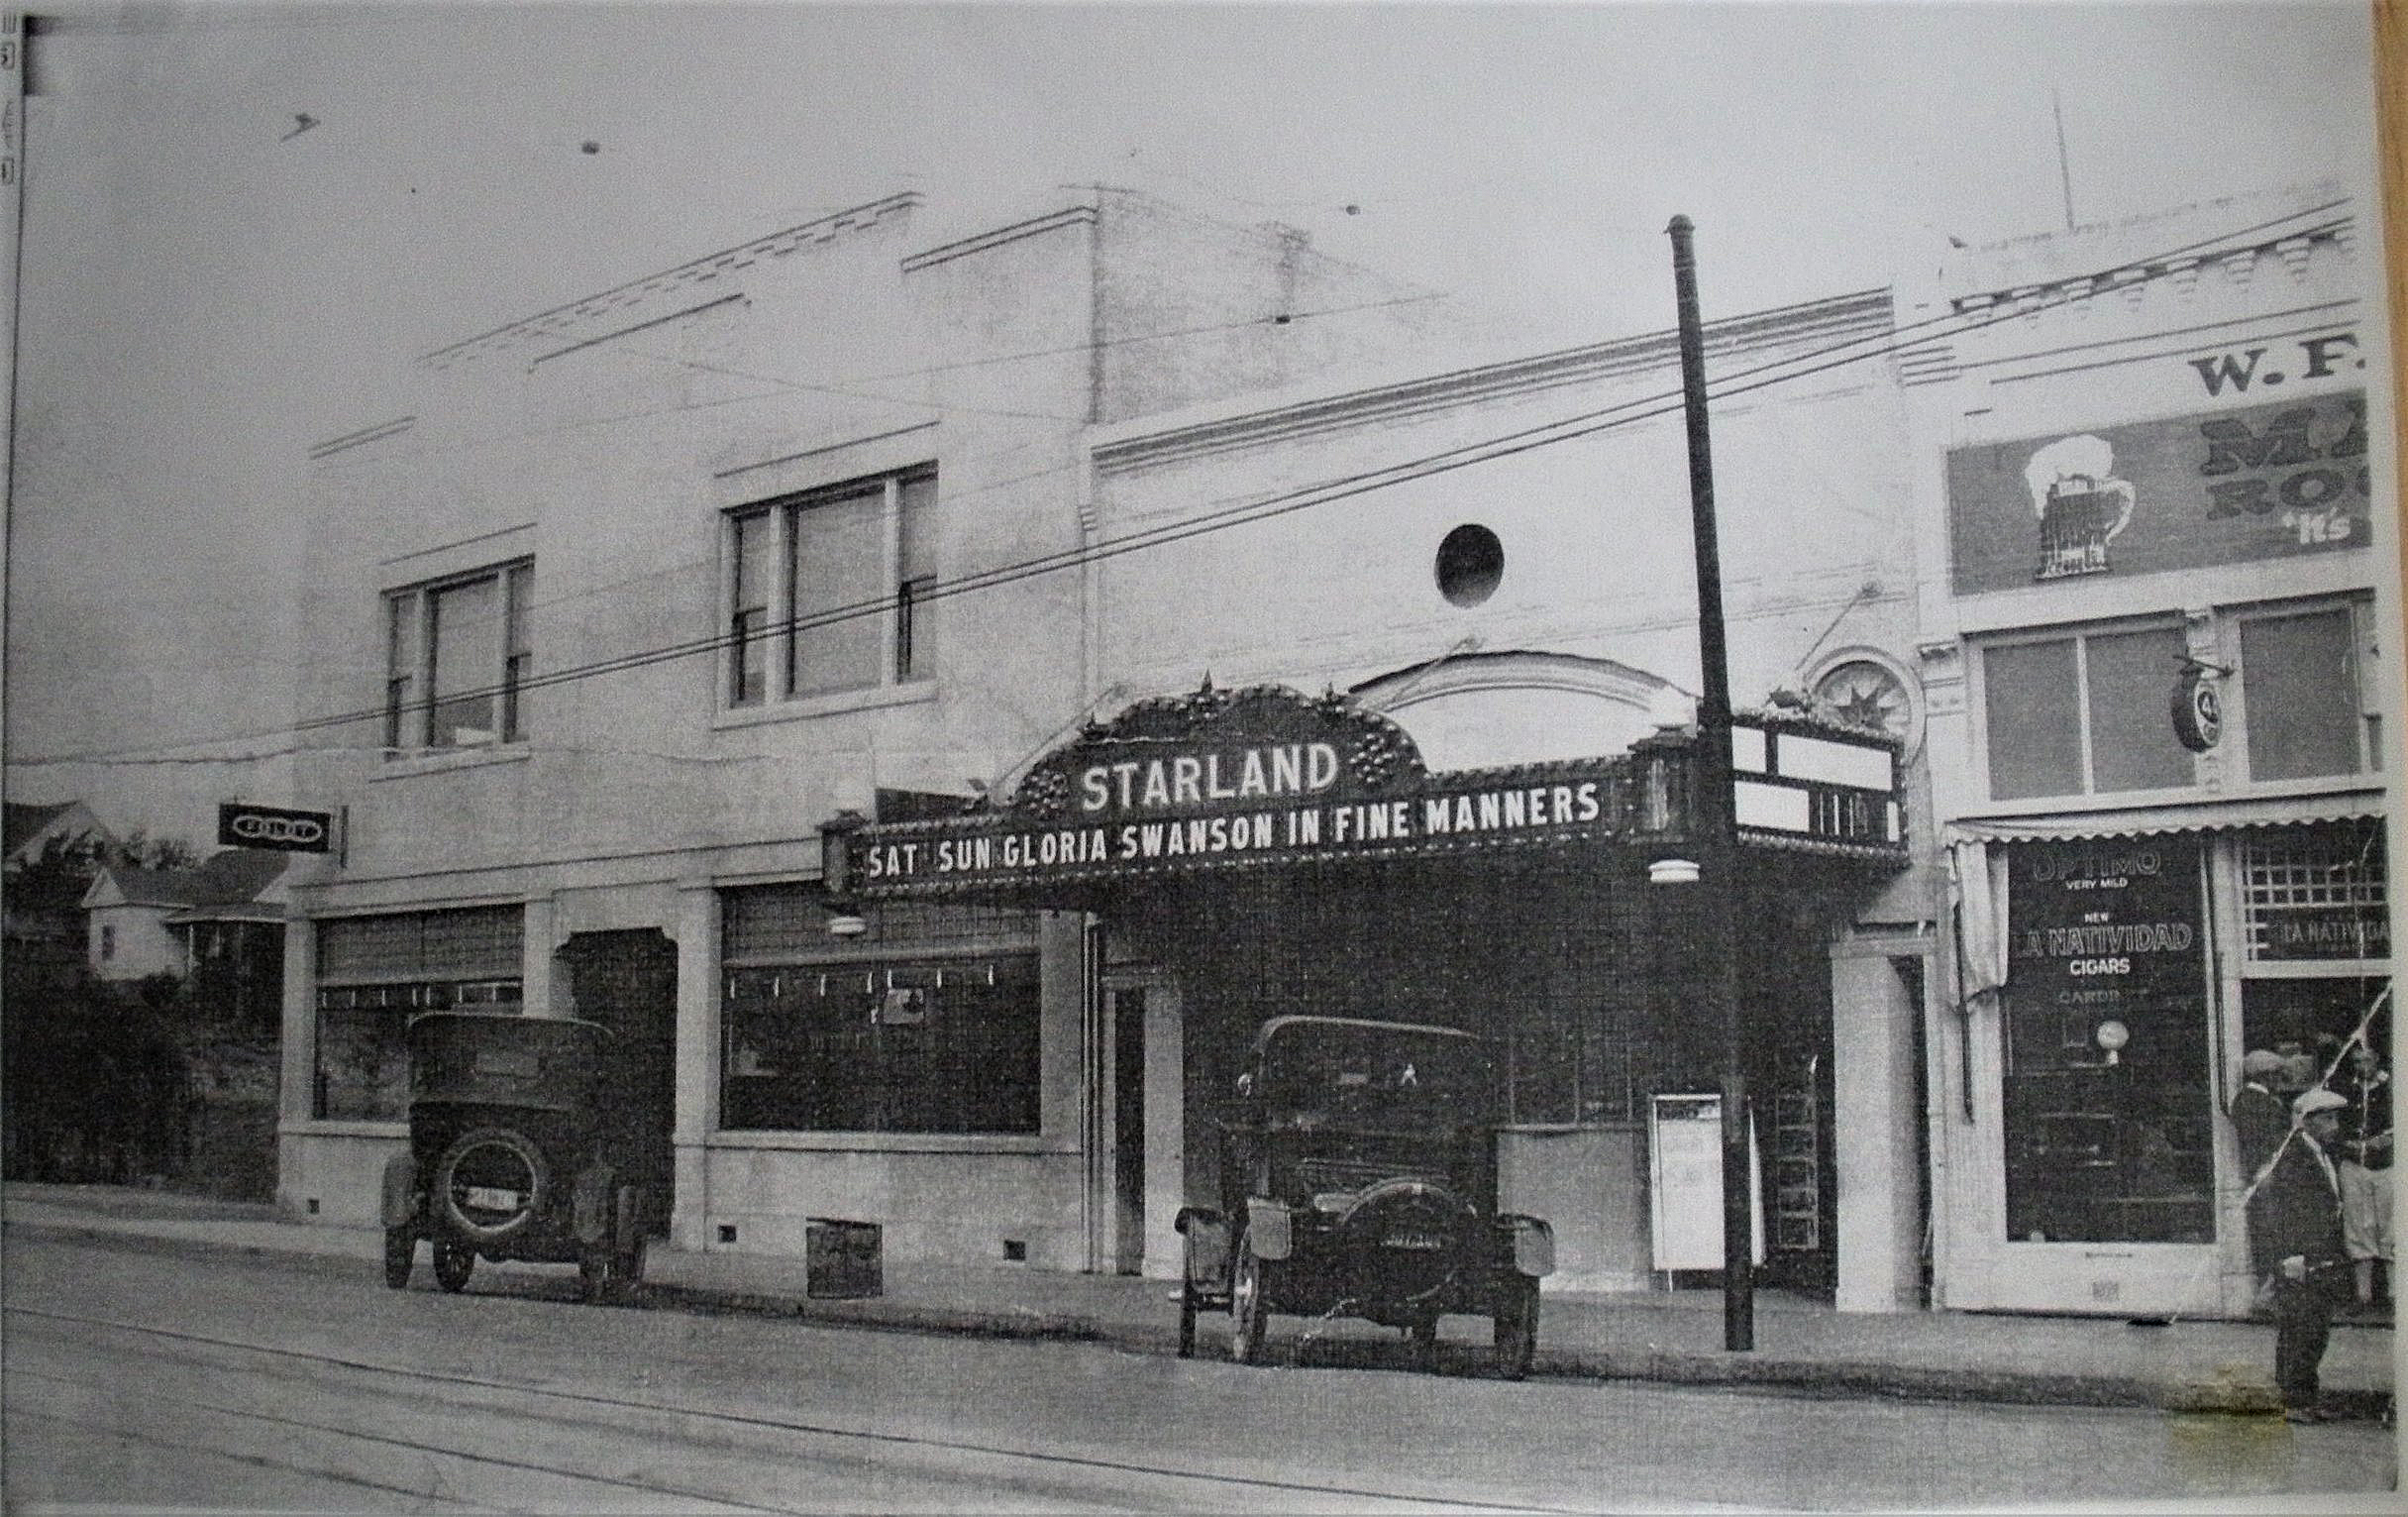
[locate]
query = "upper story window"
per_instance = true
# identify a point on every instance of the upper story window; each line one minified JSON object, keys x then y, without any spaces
{"x":2083,"y":712}
{"x":457,"y":656}
{"x":825,"y":591}
{"x":2304,"y":693}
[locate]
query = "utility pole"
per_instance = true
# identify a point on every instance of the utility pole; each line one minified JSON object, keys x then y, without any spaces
{"x":1711,"y":815}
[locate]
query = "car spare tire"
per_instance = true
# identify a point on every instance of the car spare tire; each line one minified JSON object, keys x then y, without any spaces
{"x":490,"y":1184}
{"x":1404,"y":1240}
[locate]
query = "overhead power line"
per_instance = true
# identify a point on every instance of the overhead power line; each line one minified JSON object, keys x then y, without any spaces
{"x":2119,"y":276}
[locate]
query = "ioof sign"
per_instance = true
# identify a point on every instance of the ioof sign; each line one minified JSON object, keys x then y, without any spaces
{"x":268,"y":826}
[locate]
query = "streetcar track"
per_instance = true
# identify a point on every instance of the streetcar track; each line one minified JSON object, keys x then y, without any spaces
{"x":136,"y":1436}
{"x":920,"y":1444}
{"x":406,"y":1446}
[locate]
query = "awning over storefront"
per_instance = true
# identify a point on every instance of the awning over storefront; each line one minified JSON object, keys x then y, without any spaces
{"x":2186,"y":816}
{"x":1267,"y":776}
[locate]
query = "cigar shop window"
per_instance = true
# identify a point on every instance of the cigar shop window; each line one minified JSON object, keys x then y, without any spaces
{"x":2085,"y":712}
{"x":927,"y":1022}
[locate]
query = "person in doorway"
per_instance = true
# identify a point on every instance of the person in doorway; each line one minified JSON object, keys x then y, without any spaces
{"x":2366,"y":1173}
{"x":2295,"y":1238}
{"x":2260,"y":1118}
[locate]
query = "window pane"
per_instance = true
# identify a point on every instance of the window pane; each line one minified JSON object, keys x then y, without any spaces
{"x":886,"y":1047}
{"x":916,"y":572}
{"x":747,"y":607}
{"x":400,"y":669}
{"x":2035,"y":738}
{"x":2301,"y":675}
{"x":518,"y":637}
{"x":363,"y":1068}
{"x":840,"y":599}
{"x":467,"y":633}
{"x":2132,"y":739}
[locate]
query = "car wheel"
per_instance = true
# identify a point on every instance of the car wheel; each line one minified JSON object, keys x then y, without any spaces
{"x":1249,"y":1314}
{"x":453,"y":1262}
{"x":492,"y":1183}
{"x":400,"y":1253}
{"x":1516,"y":1325}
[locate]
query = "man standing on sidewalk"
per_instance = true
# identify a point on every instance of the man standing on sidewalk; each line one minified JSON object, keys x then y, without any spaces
{"x":2365,"y":1172}
{"x":2261,"y":1119}
{"x":2295,"y":1238}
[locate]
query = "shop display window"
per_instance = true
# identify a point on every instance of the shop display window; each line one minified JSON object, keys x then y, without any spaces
{"x":2109,"y":1097}
{"x":931,"y":1022}
{"x":944,"y":1047}
{"x":375,"y":974}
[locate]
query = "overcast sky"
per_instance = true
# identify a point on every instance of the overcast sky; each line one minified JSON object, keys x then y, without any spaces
{"x":208,"y":286}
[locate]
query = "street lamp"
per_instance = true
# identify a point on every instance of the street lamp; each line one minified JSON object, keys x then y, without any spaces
{"x":1717,"y":838}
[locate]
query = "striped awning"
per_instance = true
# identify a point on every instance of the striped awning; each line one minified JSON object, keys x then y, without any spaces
{"x":2183,"y":817}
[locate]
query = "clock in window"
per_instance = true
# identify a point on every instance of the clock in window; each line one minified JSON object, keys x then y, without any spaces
{"x":1869,"y":695}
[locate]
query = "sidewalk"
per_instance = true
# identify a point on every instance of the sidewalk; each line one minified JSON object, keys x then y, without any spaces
{"x":1673,"y":1336}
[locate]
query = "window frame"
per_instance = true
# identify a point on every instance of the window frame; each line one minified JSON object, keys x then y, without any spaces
{"x":2080,"y":635}
{"x":900,"y":618}
{"x":906,"y":940}
{"x":2364,"y":650}
{"x":411,"y":698}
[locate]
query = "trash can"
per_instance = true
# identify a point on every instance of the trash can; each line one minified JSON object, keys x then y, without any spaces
{"x":841,"y":1259}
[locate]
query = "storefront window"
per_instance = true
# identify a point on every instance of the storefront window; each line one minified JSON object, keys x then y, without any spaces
{"x":375,"y":974}
{"x":2109,"y":1110}
{"x":2316,"y":942}
{"x":935,"y":1028}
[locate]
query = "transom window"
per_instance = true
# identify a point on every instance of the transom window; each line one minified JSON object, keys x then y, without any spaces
{"x":457,"y":652}
{"x":826,"y":591}
{"x":2316,"y":893}
{"x":2083,"y":714}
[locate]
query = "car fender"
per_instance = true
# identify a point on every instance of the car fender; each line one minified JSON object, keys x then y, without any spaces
{"x":1267,"y":1231}
{"x":399,"y":1204}
{"x":1534,"y":1244}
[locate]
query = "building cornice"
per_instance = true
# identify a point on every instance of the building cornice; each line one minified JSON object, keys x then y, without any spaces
{"x":1835,"y":320}
{"x":1077,"y":215}
{"x":574,"y":321}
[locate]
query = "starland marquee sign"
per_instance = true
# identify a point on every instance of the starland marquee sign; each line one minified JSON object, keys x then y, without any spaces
{"x":1265,"y":775}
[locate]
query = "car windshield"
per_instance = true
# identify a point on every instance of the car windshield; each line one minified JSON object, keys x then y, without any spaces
{"x":1344,"y":1074}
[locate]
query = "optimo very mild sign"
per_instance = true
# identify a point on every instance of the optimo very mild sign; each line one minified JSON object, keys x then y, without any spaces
{"x":1223,"y":779}
{"x":2101,"y":924}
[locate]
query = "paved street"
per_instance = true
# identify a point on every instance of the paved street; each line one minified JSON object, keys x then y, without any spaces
{"x":309,"y":1388}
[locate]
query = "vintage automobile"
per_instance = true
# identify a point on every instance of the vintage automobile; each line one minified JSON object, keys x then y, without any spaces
{"x":518,"y":1151}
{"x":1358,"y":1177}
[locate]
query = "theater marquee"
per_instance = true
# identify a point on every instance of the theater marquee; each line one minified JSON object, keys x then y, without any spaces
{"x":1266,"y":774}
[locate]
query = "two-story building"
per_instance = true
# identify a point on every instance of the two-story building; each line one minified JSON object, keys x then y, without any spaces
{"x":650,"y":585}
{"x":2155,"y":507}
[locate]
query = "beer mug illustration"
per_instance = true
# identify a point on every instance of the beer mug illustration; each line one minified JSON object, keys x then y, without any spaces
{"x":2080,"y":503}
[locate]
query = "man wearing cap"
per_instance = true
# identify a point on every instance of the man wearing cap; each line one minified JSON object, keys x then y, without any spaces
{"x":2295,"y":1238}
{"x":2260,"y":1117}
{"x":2365,"y":1170}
